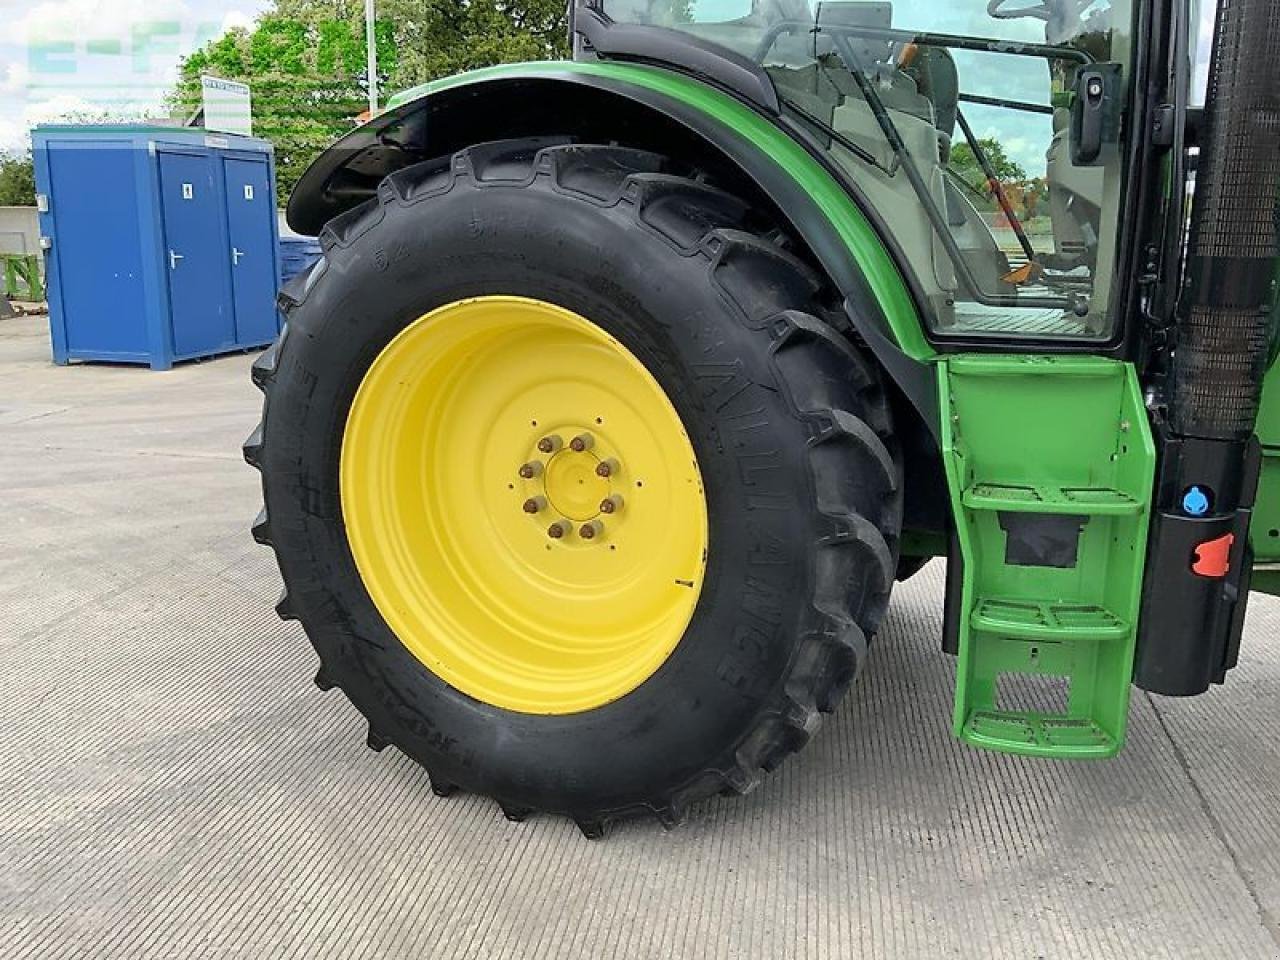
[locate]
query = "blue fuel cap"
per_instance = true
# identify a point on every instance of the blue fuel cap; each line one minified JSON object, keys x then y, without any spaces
{"x":1195,"y":502}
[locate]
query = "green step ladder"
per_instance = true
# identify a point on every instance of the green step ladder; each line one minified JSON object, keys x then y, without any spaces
{"x":1051,"y":467}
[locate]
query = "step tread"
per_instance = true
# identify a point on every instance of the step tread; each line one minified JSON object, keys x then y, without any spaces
{"x":1023,"y":498}
{"x":1036,"y":733}
{"x":1054,"y":620}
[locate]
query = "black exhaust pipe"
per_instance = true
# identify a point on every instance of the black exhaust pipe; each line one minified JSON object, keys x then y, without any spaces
{"x":1224,"y":324}
{"x":1197,"y":582}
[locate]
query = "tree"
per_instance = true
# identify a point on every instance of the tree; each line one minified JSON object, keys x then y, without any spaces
{"x":965,"y":164}
{"x":17,"y":182}
{"x":444,"y":37}
{"x":1035,"y":197}
{"x":307,"y":66}
{"x":308,"y":81}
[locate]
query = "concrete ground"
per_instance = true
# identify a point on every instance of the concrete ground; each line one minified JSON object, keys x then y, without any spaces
{"x":172,"y":785}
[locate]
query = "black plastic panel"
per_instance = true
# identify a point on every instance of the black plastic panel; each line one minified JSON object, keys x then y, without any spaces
{"x":677,"y":50}
{"x":1190,"y":625}
{"x":1042,"y":539}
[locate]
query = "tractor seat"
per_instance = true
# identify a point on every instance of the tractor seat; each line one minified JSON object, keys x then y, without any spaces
{"x":934,"y":71}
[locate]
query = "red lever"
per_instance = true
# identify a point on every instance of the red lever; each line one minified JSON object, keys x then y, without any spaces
{"x":1213,"y":557}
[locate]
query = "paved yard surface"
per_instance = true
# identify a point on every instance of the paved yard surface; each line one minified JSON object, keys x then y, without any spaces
{"x":172,"y":785}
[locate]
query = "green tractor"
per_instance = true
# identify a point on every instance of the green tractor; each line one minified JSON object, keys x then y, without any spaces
{"x":628,"y":387}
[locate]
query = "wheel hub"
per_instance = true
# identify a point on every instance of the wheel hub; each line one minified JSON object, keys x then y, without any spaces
{"x":573,"y":487}
{"x":576,"y":486}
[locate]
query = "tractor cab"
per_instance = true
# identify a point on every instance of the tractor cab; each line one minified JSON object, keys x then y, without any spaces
{"x":985,"y":137}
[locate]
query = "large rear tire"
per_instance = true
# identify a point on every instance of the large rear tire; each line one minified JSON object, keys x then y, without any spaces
{"x":792,"y":490}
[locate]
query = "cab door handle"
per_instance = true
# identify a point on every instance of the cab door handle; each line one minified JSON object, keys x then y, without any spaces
{"x":1095,"y":113}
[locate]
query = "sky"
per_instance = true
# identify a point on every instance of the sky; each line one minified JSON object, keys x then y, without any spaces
{"x":108,"y":59}
{"x":116,"y":59}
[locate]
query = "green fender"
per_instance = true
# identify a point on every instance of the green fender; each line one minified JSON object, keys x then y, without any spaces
{"x":440,"y":118}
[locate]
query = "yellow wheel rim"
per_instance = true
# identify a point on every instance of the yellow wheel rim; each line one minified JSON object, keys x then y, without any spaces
{"x":524,"y":506}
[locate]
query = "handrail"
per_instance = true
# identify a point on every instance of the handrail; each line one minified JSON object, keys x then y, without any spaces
{"x":1041,"y":51}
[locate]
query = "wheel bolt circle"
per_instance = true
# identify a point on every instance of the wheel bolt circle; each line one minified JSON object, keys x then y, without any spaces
{"x":607,"y":468}
{"x":611,"y":505}
{"x":558,"y":530}
{"x":582,"y":442}
{"x":591,"y":530}
{"x":550,"y":444}
{"x":530,"y":470}
{"x":535,"y":505}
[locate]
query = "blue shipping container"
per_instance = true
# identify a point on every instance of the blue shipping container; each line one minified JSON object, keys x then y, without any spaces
{"x":297,"y":255}
{"x":162,"y":243}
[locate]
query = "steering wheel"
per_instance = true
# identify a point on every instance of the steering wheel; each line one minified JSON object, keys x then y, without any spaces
{"x":996,"y":8}
{"x":1048,"y":10}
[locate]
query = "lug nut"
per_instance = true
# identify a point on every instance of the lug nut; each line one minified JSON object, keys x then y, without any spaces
{"x":611,"y":505}
{"x":535,"y":504}
{"x":582,"y":442}
{"x":558,"y":530}
{"x":531,"y":470}
{"x":550,"y":444}
{"x":607,"y":468}
{"x":591,"y":530}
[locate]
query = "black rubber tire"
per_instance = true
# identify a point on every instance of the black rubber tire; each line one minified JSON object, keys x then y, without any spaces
{"x":908,"y":567}
{"x":790,"y":424}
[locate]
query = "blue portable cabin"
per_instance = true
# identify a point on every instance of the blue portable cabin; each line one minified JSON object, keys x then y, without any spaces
{"x":162,"y":244}
{"x":297,"y":255}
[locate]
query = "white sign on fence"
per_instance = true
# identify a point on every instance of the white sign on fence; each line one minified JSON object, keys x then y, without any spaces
{"x":228,"y":106}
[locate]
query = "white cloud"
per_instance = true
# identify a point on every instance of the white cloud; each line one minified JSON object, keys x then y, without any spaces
{"x":16,"y":77}
{"x":90,"y":21}
{"x":237,"y":20}
{"x":16,"y":126}
{"x":58,"y":109}
{"x":13,"y":136}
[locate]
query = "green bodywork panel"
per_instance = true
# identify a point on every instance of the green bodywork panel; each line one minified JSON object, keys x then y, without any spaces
{"x":866,"y":249}
{"x":1265,"y":534}
{"x":1034,"y":445}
